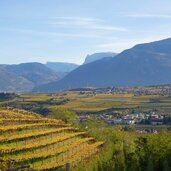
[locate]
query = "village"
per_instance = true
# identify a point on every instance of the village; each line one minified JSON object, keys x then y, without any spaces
{"x":129,"y":119}
{"x":137,"y":91}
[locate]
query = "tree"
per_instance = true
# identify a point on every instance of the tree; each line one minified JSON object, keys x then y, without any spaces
{"x":65,"y":115}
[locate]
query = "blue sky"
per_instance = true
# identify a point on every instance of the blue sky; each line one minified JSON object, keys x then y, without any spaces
{"x":68,"y":30}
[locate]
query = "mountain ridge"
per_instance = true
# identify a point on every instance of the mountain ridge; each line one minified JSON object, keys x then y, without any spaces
{"x":143,"y":65}
{"x":23,"y":77}
{"x":98,"y":56}
{"x":61,"y":67}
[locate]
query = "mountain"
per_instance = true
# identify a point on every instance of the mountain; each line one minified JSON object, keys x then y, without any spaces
{"x":142,"y":65}
{"x":23,"y":77}
{"x":12,"y":82}
{"x":98,"y":56}
{"x":61,"y":67}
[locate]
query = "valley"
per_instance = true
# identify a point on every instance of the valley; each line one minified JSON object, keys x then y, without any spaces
{"x":112,"y":105}
{"x":56,"y":131}
{"x":85,"y":85}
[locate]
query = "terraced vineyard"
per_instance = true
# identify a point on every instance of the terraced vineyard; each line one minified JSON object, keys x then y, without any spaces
{"x":30,"y":141}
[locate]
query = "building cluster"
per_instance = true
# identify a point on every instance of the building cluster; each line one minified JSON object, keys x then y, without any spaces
{"x":153,"y":119}
{"x":156,"y":119}
{"x":138,"y":91}
{"x":129,"y":119}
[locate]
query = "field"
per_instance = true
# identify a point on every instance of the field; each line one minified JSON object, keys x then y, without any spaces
{"x":30,"y":141}
{"x":92,"y":103}
{"x":101,"y":102}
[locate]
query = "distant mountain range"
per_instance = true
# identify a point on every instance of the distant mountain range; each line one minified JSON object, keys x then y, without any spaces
{"x":12,"y":82}
{"x":143,"y":65}
{"x":61,"y":67}
{"x":98,"y":56}
{"x":24,"y":77}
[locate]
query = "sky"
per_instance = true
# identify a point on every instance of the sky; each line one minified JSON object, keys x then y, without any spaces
{"x":68,"y":30}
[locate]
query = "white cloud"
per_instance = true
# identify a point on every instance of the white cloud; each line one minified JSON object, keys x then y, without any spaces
{"x":49,"y":33}
{"x":77,"y":21}
{"x":115,"y":47}
{"x":85,"y":23}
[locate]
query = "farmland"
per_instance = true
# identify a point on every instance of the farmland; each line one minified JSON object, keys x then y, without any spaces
{"x":89,"y":103}
{"x":92,"y":102}
{"x":48,"y":143}
{"x":100,"y":102}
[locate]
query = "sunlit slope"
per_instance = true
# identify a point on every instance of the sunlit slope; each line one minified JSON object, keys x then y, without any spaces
{"x":28,"y":140}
